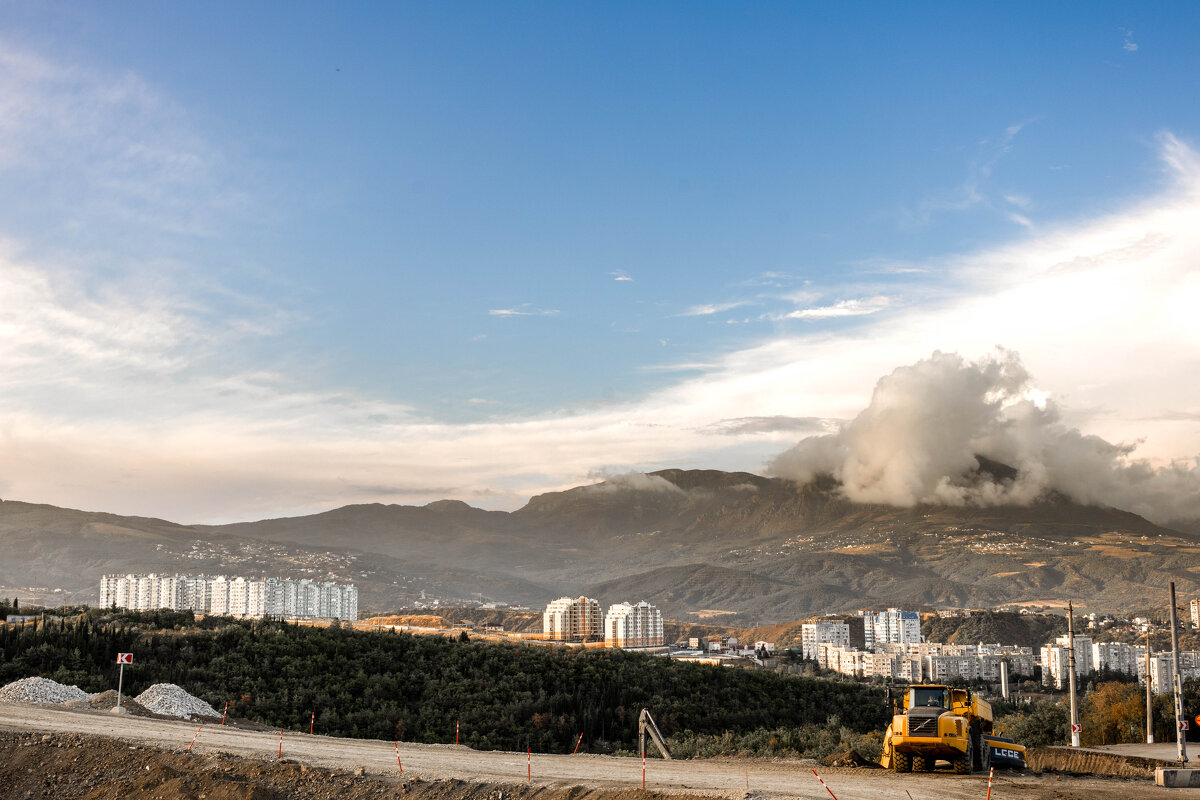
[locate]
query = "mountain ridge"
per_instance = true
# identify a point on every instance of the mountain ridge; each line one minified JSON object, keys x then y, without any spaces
{"x":692,"y":541}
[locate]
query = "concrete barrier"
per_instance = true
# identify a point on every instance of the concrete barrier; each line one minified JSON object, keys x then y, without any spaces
{"x":1176,"y":778}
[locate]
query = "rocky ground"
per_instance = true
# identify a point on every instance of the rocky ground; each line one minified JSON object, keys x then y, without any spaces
{"x":95,"y":768}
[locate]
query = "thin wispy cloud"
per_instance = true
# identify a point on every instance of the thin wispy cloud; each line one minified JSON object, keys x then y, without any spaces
{"x":522,"y":311}
{"x":709,"y":309}
{"x":1128,"y":45}
{"x":620,"y":275}
{"x":126,"y":155}
{"x":974,"y":191}
{"x":857,"y":307}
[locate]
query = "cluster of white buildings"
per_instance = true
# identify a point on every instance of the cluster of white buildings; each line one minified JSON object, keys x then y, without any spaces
{"x":1129,"y":659}
{"x":863,"y":631}
{"x":932,"y":662}
{"x":230,"y":596}
{"x":577,"y":619}
{"x":889,"y":644}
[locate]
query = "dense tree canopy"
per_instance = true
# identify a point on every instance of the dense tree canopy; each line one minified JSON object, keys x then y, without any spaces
{"x":400,"y":686}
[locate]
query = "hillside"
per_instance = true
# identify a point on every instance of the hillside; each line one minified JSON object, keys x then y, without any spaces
{"x":1027,"y":630}
{"x":731,"y":548}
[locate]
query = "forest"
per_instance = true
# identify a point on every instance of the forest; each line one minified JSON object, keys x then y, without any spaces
{"x":389,"y":685}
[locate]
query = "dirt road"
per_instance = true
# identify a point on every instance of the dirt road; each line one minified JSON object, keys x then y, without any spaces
{"x":721,"y":777}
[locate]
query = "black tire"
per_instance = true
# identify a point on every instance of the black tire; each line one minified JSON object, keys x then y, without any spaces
{"x":963,"y":763}
{"x":975,"y":746}
{"x":901,"y":762}
{"x":985,"y":755}
{"x":922,"y":764}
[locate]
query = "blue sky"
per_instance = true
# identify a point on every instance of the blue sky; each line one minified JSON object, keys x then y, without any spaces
{"x":266,"y":258}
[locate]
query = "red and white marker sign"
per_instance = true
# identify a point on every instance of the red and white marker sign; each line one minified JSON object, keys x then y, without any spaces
{"x":1183,"y":724}
{"x":1076,"y":728}
{"x":124,"y":658}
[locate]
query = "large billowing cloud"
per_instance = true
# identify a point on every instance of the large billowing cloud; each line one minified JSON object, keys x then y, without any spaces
{"x":920,"y":438}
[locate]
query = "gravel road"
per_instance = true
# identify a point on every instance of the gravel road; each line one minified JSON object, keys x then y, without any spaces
{"x":720,"y":777}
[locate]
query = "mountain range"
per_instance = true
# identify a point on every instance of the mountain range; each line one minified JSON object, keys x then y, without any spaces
{"x":703,"y":545}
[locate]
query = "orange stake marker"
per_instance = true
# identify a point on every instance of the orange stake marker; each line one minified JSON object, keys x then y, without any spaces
{"x":280,"y":755}
{"x":528,"y":765}
{"x":398,"y":764}
{"x":225,"y":712}
{"x":643,"y":769}
{"x":194,"y":738}
{"x":580,"y":739}
{"x":312,"y":721}
{"x":991,"y":774}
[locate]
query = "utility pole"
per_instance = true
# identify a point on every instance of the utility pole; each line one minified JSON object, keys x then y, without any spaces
{"x":1071,"y":673}
{"x":1149,"y":702}
{"x":1179,"y":734}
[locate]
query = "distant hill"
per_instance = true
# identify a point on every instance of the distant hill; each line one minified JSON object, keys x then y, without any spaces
{"x":707,"y":546}
{"x":1027,"y":630}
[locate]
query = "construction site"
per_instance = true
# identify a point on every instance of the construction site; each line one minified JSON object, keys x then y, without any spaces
{"x":93,"y":754}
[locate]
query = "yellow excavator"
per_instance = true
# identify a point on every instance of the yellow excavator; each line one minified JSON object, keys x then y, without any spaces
{"x":932,"y":723}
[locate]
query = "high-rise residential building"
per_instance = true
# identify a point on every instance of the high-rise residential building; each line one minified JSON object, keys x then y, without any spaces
{"x":818,"y":632}
{"x":218,"y":600}
{"x":239,"y":597}
{"x":572,"y":619}
{"x":628,"y":625}
{"x":1115,"y":657}
{"x":1056,"y":660}
{"x":196,"y":594}
{"x":891,"y":627}
{"x":1196,"y":614}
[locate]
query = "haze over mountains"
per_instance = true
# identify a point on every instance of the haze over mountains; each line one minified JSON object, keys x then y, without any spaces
{"x":702,"y":544}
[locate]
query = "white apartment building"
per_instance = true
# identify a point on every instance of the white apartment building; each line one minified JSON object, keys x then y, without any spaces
{"x":1056,"y":660}
{"x":218,"y":596}
{"x":234,"y":596}
{"x":572,"y":619}
{"x":1116,"y":657}
{"x":239,"y":597}
{"x":628,"y":625}
{"x":1195,"y":607}
{"x":891,"y":627}
{"x":813,"y":634}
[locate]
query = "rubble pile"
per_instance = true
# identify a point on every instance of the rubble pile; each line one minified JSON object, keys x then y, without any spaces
{"x":41,"y":690}
{"x":105,"y":701}
{"x":172,"y":701}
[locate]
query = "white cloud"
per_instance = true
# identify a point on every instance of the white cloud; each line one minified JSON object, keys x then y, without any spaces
{"x":522,"y":311}
{"x":620,"y":275}
{"x":856,"y":307}
{"x":711,"y":308}
{"x":927,"y":423}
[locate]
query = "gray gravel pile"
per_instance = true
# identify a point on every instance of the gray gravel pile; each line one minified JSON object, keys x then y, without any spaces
{"x":171,"y":701}
{"x":41,"y":690}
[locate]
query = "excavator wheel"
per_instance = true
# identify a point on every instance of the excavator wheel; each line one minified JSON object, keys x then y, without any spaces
{"x":922,"y":764}
{"x":901,"y":762}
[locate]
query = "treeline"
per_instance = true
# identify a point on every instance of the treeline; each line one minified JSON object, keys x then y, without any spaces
{"x":1111,"y":712}
{"x":414,"y":688}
